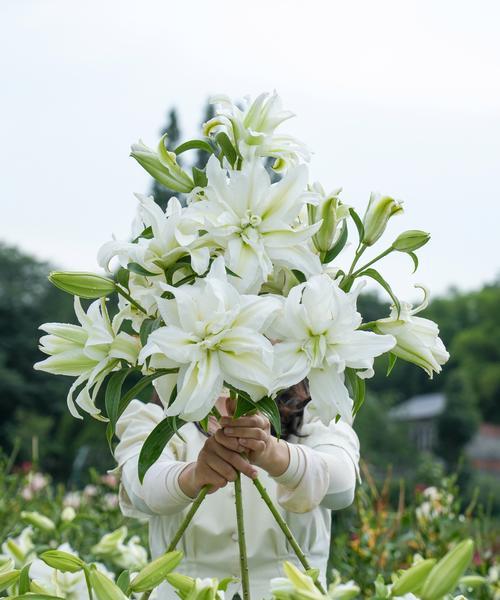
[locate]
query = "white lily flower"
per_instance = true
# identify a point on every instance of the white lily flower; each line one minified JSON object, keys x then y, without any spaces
{"x":417,"y":339}
{"x":213,"y":334}
{"x":319,"y":338}
{"x":254,"y":222}
{"x":88,"y":351}
{"x":253,"y":128}
{"x":19,"y":549}
{"x":173,"y":236}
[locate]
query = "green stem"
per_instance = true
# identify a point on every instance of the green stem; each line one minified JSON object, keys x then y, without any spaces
{"x":381,"y":255}
{"x":87,"y":581}
{"x":127,"y":296}
{"x":285,"y":529}
{"x":357,"y":256}
{"x":185,"y":522}
{"x":241,"y":538}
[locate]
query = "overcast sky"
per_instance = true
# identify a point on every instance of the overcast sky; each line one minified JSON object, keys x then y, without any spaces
{"x":393,"y":96}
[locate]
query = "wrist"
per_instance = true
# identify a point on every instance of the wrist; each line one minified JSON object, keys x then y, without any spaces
{"x":275,"y":458}
{"x":187,"y":480}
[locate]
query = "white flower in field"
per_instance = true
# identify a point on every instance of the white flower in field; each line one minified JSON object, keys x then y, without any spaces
{"x":20,"y":549}
{"x":71,"y":586}
{"x":88,"y":351}
{"x":417,"y":339}
{"x":254,"y":222}
{"x":73,"y":499}
{"x":318,"y":338}
{"x":253,"y":128}
{"x":213,"y":334}
{"x":112,"y":546}
{"x":295,"y":586}
{"x":170,"y":236}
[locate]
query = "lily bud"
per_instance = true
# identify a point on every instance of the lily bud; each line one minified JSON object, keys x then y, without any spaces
{"x":182,"y":583}
{"x":104,"y":588}
{"x":68,"y":514}
{"x":38,"y":520}
{"x":62,"y":561}
{"x":380,"y":209}
{"x":8,"y":578}
{"x":162,"y":165}
{"x":330,"y":211}
{"x":411,"y":240}
{"x":155,"y":572}
{"x":413,"y":578}
{"x":446,"y":574}
{"x":85,"y":285}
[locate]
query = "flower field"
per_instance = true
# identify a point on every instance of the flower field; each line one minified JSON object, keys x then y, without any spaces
{"x":371,"y":542}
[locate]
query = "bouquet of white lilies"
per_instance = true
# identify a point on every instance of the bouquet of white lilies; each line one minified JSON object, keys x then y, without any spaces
{"x":239,"y":286}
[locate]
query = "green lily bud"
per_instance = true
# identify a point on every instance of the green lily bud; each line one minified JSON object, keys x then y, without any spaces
{"x":8,"y":578}
{"x":62,"y":561}
{"x":85,"y":285}
{"x":155,"y":572}
{"x":183,"y":583}
{"x":445,"y":575}
{"x":104,"y":588}
{"x":162,"y":165}
{"x":413,"y":578}
{"x":411,"y":240}
{"x":38,"y":520}
{"x":380,"y":209}
{"x":473,"y":581}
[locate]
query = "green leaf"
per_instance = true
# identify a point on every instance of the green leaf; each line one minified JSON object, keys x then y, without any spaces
{"x":140,"y":386}
{"x":268,"y":407}
{"x":414,"y":258}
{"x":392,"y":361}
{"x":338,"y":246}
{"x":244,"y":407}
{"x":359,"y":224}
{"x":156,"y":442}
{"x":227,"y":147}
{"x":194,"y":145}
{"x":358,"y":389}
{"x":374,"y":274}
{"x":223,"y":583}
{"x":114,"y":392}
{"x":139,"y":270}
{"x":229,"y":272}
{"x":24,"y":579}
{"x":147,"y":327}
{"x":200,"y":177}
{"x":299,"y":275}
{"x":182,"y":263}
{"x":36,"y":597}
{"x":237,"y":392}
{"x":122,"y":277}
{"x":123,"y":581}
{"x":147,"y":234}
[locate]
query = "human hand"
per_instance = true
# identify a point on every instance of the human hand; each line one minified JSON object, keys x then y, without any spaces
{"x":217,"y":464}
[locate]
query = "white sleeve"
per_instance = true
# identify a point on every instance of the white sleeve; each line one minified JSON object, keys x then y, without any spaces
{"x":322,"y":470}
{"x":160,"y":493}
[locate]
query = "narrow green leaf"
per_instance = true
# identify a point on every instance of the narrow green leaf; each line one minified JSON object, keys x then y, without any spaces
{"x":243,"y":407}
{"x":24,"y":579}
{"x":358,"y":389}
{"x":156,"y":442}
{"x":147,"y":234}
{"x":200,"y":177}
{"x":359,"y":224}
{"x":123,"y":581}
{"x":147,"y":327}
{"x":227,"y":147}
{"x":194,"y":145}
{"x":229,"y":272}
{"x":139,"y":270}
{"x":114,"y":392}
{"x":392,"y":361}
{"x":338,"y":246}
{"x":268,"y":407}
{"x":122,"y":277}
{"x":414,"y":258}
{"x":139,"y":387}
{"x":299,"y":275}
{"x":374,"y":274}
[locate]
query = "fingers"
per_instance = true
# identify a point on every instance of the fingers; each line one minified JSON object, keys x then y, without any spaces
{"x":230,"y":443}
{"x":246,"y":432}
{"x":257,"y":420}
{"x":253,"y":445}
{"x":221,"y":467}
{"x":236,"y":461}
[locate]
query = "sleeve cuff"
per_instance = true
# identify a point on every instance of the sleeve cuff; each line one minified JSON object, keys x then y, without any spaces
{"x":295,"y":470}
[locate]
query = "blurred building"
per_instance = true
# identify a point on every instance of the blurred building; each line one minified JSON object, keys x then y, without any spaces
{"x":421,"y":414}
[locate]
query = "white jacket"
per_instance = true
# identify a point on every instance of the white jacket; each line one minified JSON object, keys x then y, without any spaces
{"x":321,"y":477}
